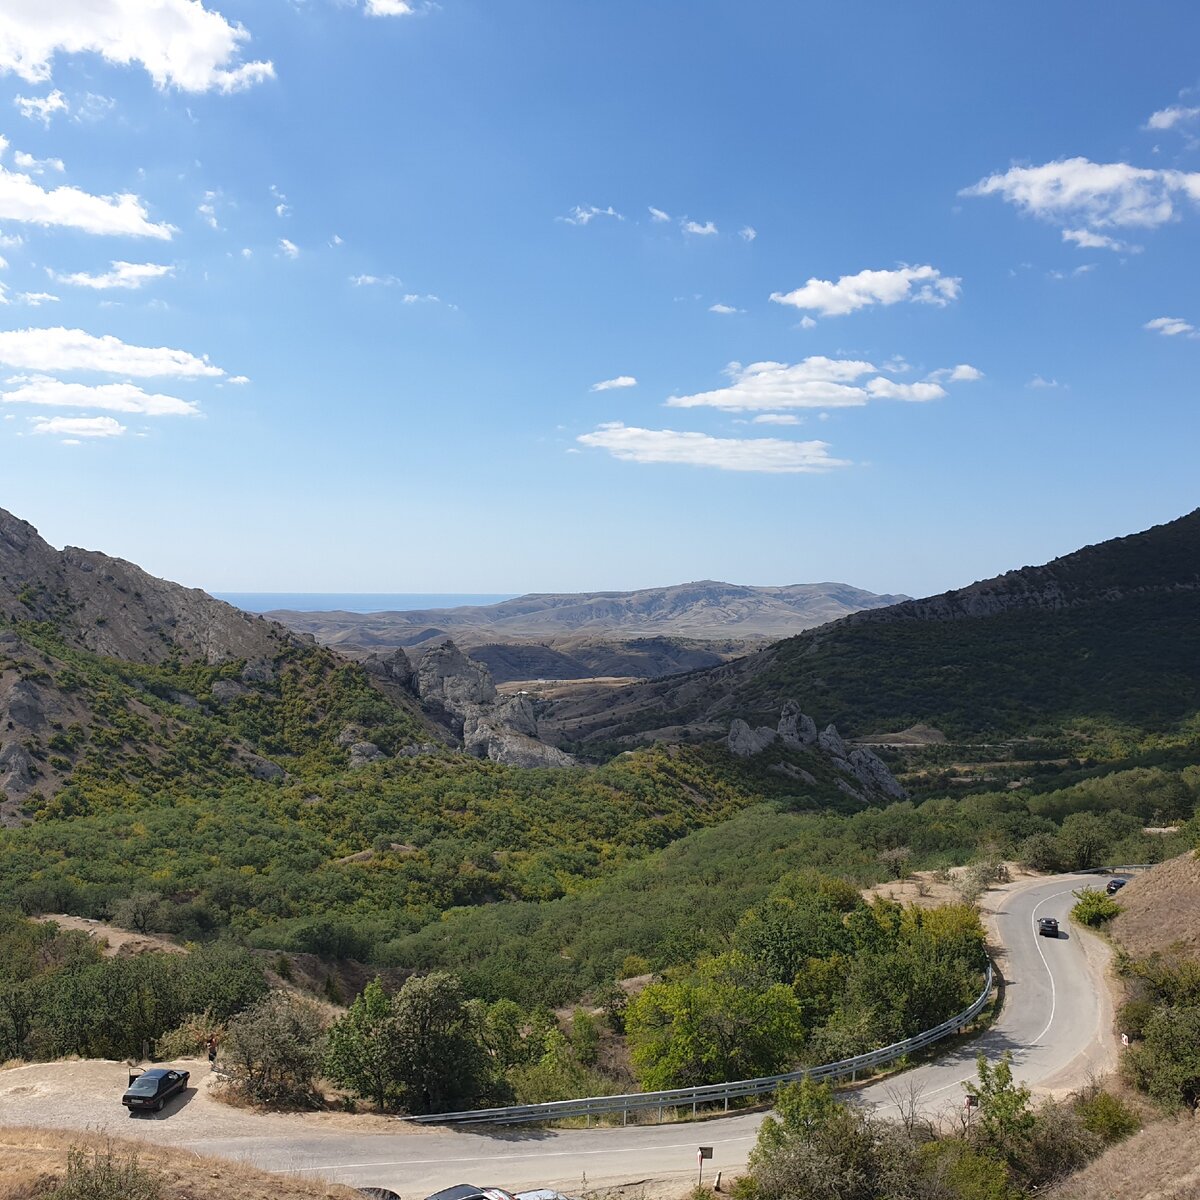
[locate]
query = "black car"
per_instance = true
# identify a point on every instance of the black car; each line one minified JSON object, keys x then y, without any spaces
{"x":1115,"y":885}
{"x":152,"y":1089}
{"x":1047,"y":927}
{"x":469,"y":1191}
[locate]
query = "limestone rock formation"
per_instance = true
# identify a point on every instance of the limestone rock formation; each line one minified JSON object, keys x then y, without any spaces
{"x":362,"y":753}
{"x":448,"y":678}
{"x":868,"y":775}
{"x":394,"y":668}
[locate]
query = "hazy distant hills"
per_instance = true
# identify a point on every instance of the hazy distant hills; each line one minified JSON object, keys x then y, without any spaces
{"x":649,"y":632}
{"x":1110,"y":633}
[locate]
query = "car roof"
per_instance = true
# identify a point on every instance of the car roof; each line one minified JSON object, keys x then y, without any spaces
{"x":154,"y":1073}
{"x":459,"y":1191}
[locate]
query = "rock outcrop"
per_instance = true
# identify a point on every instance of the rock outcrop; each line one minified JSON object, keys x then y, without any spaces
{"x":867,"y":775}
{"x":501,"y":728}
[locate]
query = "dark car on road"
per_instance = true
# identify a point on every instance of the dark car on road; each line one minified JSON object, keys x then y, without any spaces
{"x":1047,"y":927}
{"x":1115,"y":885}
{"x":152,"y":1089}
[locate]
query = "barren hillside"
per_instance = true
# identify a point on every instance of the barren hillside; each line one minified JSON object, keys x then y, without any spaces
{"x":1162,"y":908}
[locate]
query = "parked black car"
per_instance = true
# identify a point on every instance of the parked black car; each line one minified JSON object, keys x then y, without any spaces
{"x":1047,"y":927}
{"x":1115,"y":885}
{"x":152,"y":1089}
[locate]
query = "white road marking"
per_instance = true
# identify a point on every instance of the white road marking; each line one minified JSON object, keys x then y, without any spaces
{"x":490,"y":1158}
{"x":1038,"y":943}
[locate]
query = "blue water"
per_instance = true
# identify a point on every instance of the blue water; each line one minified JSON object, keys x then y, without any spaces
{"x":359,"y":602}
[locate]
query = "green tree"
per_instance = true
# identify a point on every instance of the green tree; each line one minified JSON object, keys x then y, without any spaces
{"x":1093,"y":908}
{"x":723,"y":1022}
{"x":1003,"y":1118}
{"x":362,"y":1048}
{"x":1167,"y":1063}
{"x":441,"y":1060}
{"x":273,"y":1050}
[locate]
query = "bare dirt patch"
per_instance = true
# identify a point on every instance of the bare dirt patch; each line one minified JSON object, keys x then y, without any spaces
{"x":930,"y":889}
{"x":1161,"y":908}
{"x":32,"y":1161}
{"x":116,"y":941}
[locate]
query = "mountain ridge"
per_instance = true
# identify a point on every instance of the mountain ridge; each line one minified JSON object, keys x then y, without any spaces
{"x":1109,"y":630}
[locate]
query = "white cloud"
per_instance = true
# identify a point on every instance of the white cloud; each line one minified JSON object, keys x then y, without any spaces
{"x":125,"y":275}
{"x":723,"y":309}
{"x":1038,"y":382}
{"x":657,"y":214}
{"x":374,"y":280}
{"x":389,"y":8}
{"x":852,"y":292}
{"x":580,"y":215}
{"x":21,"y":199}
{"x":766,"y":455}
{"x":963,"y":373}
{"x":59,"y":349}
{"x":37,"y":165}
{"x":92,"y":108}
{"x":816,"y":382}
{"x":807,"y":323}
{"x":748,"y":233}
{"x":888,"y":389}
{"x":1168,"y":118}
{"x":1086,"y":239}
{"x":708,"y":229}
{"x":289,"y":248}
{"x":180,"y":43}
{"x":208,"y":210}
{"x":36,"y":299}
{"x":1100,"y":195}
{"x":777,"y":419}
{"x":111,"y":397}
{"x":417,"y":298}
{"x":607,"y":385}
{"x":79,"y":427}
{"x":41,"y":108}
{"x":1169,"y":326}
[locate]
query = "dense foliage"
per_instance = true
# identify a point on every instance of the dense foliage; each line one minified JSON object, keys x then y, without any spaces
{"x":813,"y":1148}
{"x":1162,"y":1017}
{"x":60,"y":996}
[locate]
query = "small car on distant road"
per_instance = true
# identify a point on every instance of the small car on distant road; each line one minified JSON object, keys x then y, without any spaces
{"x":1115,"y":885}
{"x":1047,"y":927}
{"x":152,"y":1089}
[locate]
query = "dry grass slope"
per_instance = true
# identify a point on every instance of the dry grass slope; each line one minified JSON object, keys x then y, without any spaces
{"x":1161,"y":909}
{"x":32,"y":1161}
{"x":1160,"y":1163}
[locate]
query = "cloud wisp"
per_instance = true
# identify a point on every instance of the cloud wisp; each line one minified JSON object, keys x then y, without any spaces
{"x":1171,"y":327}
{"x":41,"y":108}
{"x":586,"y":214}
{"x":772,"y":456}
{"x":607,"y":385}
{"x":79,"y":427}
{"x":919,"y":285}
{"x":123,"y":275}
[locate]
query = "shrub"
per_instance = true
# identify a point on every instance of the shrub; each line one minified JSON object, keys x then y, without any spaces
{"x":189,"y":1037}
{"x":1093,"y":908}
{"x":273,"y":1051}
{"x":106,"y":1175}
{"x":1107,"y":1116}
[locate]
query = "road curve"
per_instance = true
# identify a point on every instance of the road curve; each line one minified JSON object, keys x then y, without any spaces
{"x":1055,"y":1020}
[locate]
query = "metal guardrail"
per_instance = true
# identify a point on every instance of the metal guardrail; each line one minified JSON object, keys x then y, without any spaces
{"x":715,"y":1093}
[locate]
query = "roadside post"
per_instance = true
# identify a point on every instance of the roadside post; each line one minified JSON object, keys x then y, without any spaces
{"x":701,"y":1154}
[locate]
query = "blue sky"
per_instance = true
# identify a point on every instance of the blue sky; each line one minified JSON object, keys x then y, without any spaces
{"x":325,"y":296}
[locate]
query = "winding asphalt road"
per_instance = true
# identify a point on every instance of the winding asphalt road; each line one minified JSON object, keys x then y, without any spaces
{"x":1055,"y":1020}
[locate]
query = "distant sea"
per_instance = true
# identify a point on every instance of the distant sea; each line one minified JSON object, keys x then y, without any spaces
{"x":359,"y":602}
